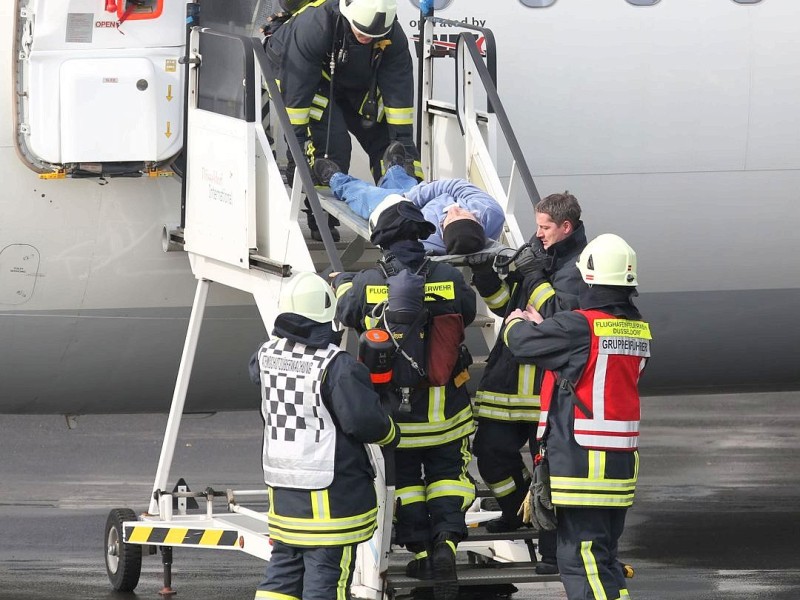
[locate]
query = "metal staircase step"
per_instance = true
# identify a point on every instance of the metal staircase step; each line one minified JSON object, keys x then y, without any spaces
{"x":479,"y":534}
{"x":475,"y":575}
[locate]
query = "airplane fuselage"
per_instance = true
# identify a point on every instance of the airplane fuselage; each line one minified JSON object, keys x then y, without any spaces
{"x":675,"y":125}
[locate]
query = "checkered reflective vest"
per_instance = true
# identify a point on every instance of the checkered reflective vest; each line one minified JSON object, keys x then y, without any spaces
{"x":299,"y":433}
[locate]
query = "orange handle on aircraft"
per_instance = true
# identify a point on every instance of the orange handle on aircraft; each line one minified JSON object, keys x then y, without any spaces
{"x":111,"y":5}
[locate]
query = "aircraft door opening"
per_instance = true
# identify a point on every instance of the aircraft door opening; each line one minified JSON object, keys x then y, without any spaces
{"x":99,"y":83}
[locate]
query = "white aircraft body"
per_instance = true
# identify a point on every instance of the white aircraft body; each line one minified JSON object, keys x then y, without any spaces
{"x":676,"y":126}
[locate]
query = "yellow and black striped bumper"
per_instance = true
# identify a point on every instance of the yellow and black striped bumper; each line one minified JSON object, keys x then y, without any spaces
{"x":180,"y":536}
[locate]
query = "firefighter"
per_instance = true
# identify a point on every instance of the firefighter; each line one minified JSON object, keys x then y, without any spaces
{"x":589,"y":425}
{"x":433,"y":412}
{"x":507,"y":400}
{"x":319,"y":409}
{"x":345,"y":66}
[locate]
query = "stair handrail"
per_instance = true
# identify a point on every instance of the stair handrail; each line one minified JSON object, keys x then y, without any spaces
{"x":487,"y":71}
{"x":303,"y":168}
{"x":490,"y":48}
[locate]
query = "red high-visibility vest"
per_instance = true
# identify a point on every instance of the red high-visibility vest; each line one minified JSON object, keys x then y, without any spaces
{"x":607,"y":410}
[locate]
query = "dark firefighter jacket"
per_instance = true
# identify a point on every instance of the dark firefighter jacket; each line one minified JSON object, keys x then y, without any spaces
{"x":343,"y":513}
{"x":580,"y":476}
{"x":301,"y":53}
{"x":509,"y":391}
{"x":439,"y":415}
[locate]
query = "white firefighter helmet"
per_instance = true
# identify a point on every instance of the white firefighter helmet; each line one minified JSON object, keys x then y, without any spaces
{"x":390,"y":200}
{"x":608,"y":260}
{"x":309,"y":295}
{"x":372,"y":18}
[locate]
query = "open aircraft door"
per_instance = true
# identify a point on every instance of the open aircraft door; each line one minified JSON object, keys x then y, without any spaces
{"x":99,"y":88}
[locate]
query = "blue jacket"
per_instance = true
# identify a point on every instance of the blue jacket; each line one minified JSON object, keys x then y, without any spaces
{"x":433,"y":199}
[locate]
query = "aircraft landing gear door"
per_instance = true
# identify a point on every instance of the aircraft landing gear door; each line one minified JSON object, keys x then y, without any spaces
{"x":99,"y":85}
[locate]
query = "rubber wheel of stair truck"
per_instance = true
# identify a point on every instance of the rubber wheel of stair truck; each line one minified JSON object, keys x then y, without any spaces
{"x":123,"y":561}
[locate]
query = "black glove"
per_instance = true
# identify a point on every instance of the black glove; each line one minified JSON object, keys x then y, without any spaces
{"x":542,"y":501}
{"x":480,"y":261}
{"x":537,"y":508}
{"x":532,"y":263}
{"x":272,"y":25}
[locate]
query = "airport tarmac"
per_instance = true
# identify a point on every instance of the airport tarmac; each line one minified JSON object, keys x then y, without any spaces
{"x":716,"y":516}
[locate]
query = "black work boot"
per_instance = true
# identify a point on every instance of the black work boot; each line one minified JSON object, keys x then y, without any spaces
{"x":312,"y":225}
{"x":421,"y":566}
{"x":323,"y":170}
{"x":395,"y":154}
{"x":445,"y":586}
{"x":504,"y":524}
{"x":547,"y":566}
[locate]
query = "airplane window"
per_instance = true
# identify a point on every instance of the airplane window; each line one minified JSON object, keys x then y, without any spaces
{"x":643,"y":2}
{"x":437,"y":4}
{"x":538,"y":3}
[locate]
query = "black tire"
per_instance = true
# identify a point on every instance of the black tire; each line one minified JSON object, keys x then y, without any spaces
{"x":123,"y":561}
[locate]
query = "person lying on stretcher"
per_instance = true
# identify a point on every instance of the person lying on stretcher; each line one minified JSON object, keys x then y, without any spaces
{"x":466,"y":218}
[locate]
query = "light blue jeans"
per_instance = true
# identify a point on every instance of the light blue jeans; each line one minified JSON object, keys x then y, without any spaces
{"x":363,"y":197}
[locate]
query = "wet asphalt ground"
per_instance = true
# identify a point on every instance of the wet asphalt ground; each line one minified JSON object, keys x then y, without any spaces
{"x":717,"y":511}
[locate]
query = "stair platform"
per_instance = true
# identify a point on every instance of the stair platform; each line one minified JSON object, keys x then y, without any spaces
{"x":474,"y":575}
{"x":479,"y":534}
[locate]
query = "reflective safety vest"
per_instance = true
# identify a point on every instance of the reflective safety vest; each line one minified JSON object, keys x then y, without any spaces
{"x":299,"y":434}
{"x":520,"y":406}
{"x":606,"y":397}
{"x":497,"y":398}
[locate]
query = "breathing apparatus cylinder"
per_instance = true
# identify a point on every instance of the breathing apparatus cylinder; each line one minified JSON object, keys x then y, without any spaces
{"x":376,"y":350}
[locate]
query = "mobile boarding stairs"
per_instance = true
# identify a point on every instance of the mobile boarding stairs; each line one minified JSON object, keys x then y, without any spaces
{"x":241,"y":230}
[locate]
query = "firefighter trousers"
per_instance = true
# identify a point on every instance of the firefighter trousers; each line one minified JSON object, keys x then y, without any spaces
{"x":497,"y":446}
{"x":433,"y":492}
{"x":373,"y":136}
{"x":587,"y":552}
{"x":308,"y":573}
